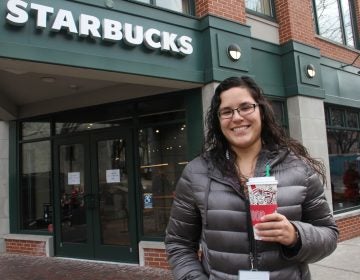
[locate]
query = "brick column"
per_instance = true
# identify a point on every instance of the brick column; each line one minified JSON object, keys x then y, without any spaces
{"x":4,"y":183}
{"x":232,"y":10}
{"x":295,"y":20}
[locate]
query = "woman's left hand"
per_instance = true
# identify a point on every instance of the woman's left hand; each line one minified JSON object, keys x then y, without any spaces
{"x":276,"y":228}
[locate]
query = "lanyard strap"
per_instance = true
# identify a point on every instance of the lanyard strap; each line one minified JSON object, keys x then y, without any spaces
{"x":252,"y":242}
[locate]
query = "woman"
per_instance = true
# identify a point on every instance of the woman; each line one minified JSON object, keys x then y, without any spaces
{"x":211,"y":204}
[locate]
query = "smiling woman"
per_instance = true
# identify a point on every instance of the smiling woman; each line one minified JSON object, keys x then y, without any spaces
{"x":244,"y":144}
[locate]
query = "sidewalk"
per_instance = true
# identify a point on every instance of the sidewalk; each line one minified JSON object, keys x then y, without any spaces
{"x":19,"y":267}
{"x":343,"y":264}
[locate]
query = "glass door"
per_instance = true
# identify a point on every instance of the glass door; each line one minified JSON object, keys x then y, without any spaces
{"x":95,"y":197}
{"x":74,"y":201}
{"x":116,"y":237}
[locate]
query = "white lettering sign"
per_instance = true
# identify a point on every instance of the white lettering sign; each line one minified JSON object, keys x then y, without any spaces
{"x":18,"y":12}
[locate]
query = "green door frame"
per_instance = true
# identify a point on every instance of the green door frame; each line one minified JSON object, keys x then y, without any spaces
{"x":93,"y":247}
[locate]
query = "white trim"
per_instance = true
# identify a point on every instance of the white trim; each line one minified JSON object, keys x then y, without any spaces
{"x":345,"y":215}
{"x":148,"y":245}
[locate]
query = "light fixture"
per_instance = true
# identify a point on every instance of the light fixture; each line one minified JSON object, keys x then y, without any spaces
{"x":310,"y":71}
{"x":234,"y":52}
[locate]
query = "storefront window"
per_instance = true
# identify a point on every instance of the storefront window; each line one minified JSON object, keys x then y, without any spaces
{"x":343,"y":134}
{"x":335,"y":21}
{"x":162,"y":158}
{"x":264,"y":7}
{"x":35,"y":181}
{"x":33,"y":130}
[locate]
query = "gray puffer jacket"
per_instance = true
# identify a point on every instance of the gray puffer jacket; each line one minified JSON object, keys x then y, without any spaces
{"x":211,"y":210}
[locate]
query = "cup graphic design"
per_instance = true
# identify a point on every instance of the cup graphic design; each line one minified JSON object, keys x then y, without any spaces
{"x":263,"y":198}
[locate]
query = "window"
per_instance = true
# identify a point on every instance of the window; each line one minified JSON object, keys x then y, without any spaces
{"x":162,"y":152}
{"x":181,"y":6}
{"x":335,"y":21}
{"x":35,"y":176}
{"x":35,"y":181}
{"x":343,"y":135}
{"x":264,"y":7}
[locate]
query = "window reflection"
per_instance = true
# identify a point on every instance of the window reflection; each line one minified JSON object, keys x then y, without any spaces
{"x":260,"y":6}
{"x":33,"y":130}
{"x":344,"y":157}
{"x":35,"y":183}
{"x":182,"y":6}
{"x":334,"y":21}
{"x":162,"y":159}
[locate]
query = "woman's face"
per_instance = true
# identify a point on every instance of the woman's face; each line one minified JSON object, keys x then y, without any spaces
{"x":242,"y":132}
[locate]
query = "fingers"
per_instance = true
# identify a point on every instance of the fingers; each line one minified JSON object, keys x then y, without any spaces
{"x":276,"y":228}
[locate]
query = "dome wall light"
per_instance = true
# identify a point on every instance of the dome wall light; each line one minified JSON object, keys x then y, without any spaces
{"x":310,"y":71}
{"x":234,"y":52}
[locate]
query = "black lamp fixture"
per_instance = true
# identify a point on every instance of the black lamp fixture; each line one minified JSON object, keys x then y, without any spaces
{"x":310,"y":71}
{"x":234,"y":52}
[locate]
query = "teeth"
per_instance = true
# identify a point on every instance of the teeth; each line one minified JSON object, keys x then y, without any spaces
{"x":238,"y":129}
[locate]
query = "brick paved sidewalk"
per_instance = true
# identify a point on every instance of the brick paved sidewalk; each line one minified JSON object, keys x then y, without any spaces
{"x":18,"y":267}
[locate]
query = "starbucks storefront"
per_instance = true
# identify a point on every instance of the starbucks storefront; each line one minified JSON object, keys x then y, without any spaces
{"x":102,"y":109}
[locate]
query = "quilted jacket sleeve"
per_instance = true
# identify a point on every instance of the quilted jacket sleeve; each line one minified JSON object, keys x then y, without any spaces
{"x":183,"y":232}
{"x":317,"y":229}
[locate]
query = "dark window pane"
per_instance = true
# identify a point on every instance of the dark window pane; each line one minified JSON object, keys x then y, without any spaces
{"x":33,"y":130}
{"x":278,"y":108}
{"x":35,"y":184}
{"x":162,"y":158}
{"x":348,"y":26}
{"x":337,"y":117}
{"x":352,"y":119}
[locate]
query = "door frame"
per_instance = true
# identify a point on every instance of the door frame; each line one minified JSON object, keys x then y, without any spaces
{"x":93,"y":249}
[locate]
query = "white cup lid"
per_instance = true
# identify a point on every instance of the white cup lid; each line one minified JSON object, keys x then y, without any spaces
{"x":262,"y":180}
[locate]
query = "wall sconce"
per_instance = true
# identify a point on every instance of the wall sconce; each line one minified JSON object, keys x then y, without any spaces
{"x":234,"y":52}
{"x":310,"y":71}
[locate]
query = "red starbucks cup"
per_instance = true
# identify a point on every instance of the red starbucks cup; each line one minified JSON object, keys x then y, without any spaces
{"x":263,"y":198}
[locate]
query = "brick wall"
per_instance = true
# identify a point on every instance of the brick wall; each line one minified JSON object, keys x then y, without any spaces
{"x":156,"y":258}
{"x":349,"y":227}
{"x":229,"y":9}
{"x":26,"y":247}
{"x":296,"y":23}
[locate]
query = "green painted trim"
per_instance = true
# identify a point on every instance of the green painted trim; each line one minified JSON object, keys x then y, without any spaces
{"x":293,"y":46}
{"x":337,"y":100}
{"x":13,"y":178}
{"x":83,"y":60}
{"x":226,"y":25}
{"x":265,"y":46}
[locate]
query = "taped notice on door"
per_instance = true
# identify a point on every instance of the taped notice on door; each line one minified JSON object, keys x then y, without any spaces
{"x":73,"y":178}
{"x":113,"y":176}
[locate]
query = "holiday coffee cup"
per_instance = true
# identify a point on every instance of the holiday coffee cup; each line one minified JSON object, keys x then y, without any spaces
{"x":263,"y":198}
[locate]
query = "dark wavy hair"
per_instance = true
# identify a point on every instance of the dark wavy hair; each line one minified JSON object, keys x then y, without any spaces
{"x":272,"y":134}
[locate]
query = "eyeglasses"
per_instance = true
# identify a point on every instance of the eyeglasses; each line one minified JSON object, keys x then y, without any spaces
{"x":243,"y":110}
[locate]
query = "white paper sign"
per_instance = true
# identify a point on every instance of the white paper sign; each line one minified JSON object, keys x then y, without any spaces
{"x":74,"y":178}
{"x":113,"y":176}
